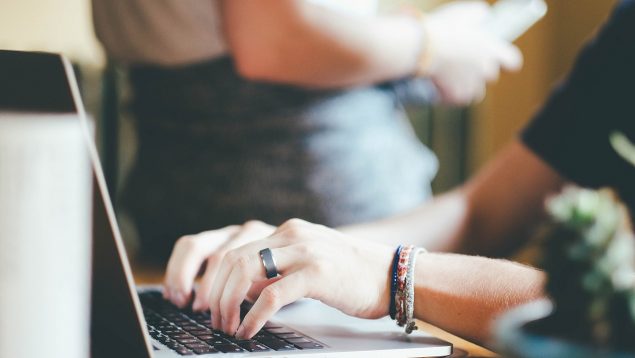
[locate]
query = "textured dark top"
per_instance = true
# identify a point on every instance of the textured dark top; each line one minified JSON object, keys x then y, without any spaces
{"x":216,"y":149}
{"x":571,"y":133}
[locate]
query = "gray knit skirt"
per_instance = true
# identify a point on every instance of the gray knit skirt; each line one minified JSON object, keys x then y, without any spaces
{"x":216,"y":149}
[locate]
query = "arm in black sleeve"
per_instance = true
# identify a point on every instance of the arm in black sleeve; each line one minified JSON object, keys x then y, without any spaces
{"x":571,"y":133}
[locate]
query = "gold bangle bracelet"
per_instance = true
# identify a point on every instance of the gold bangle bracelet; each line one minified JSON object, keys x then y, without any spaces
{"x":424,"y":55}
{"x":427,"y":48}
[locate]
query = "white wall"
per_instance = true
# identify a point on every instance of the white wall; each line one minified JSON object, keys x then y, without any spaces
{"x":50,"y":25}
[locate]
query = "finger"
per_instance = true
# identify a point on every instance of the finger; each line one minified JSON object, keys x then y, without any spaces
{"x":244,"y":272}
{"x":219,"y":283}
{"x":178,"y":279}
{"x":232,"y":258}
{"x":248,"y":258}
{"x":201,"y":299}
{"x":278,"y":294}
{"x":187,"y":257}
{"x":257,"y":287}
{"x":510,"y":57}
{"x":248,"y":232}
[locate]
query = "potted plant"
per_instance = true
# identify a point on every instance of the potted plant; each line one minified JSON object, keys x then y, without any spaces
{"x":588,"y":254}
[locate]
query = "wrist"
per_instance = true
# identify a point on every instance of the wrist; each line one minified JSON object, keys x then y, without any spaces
{"x":404,"y":293}
{"x":382,"y":262}
{"x":425,"y":51}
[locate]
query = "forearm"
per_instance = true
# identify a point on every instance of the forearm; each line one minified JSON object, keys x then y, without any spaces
{"x":438,"y":225}
{"x":464,"y":294}
{"x":326,"y":49}
{"x":491,"y":214}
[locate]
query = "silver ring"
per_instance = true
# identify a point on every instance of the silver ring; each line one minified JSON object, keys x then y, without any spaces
{"x":269,"y":263}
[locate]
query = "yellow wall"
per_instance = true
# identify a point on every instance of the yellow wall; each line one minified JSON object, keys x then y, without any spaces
{"x":549,"y":49}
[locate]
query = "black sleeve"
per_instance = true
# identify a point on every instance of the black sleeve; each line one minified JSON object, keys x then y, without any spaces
{"x":571,"y":132}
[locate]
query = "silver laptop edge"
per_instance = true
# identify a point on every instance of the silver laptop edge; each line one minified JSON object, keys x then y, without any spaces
{"x":101,"y":186}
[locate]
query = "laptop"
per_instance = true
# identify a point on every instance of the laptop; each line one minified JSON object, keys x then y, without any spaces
{"x":127,"y":320}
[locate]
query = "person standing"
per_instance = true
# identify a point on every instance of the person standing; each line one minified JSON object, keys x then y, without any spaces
{"x":283,"y":108}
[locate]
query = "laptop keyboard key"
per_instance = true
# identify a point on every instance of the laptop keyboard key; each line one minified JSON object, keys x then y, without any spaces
{"x":229,"y":348}
{"x":189,"y":327}
{"x":204,"y":350}
{"x":308,"y":345}
{"x":220,"y":334}
{"x":254,"y":346}
{"x":289,"y":335}
{"x":171,"y":332}
{"x":187,"y":340}
{"x":196,"y":345}
{"x":216,"y":341}
{"x":181,"y":335}
{"x":298,"y":340}
{"x":184,"y":351}
{"x":277,"y":344}
{"x":263,"y":335}
{"x":277,"y":331}
{"x":234,"y":340}
{"x":200,"y":332}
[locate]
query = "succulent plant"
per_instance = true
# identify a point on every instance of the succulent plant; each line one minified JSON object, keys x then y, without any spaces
{"x":589,"y":254}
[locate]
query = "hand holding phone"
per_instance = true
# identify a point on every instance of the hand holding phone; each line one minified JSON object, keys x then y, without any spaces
{"x":463,"y":55}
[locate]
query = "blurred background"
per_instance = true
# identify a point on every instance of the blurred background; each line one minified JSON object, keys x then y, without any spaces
{"x":463,"y":138}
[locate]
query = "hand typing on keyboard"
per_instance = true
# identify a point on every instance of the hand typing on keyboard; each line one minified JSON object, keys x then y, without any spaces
{"x":313,"y":261}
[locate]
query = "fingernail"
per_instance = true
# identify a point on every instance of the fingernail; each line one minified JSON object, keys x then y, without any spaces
{"x":196,"y":306}
{"x":240,"y":332}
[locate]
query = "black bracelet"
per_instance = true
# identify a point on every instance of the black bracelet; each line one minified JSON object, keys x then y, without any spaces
{"x":393,"y":282}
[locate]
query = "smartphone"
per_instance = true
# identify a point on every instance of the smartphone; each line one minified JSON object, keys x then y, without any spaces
{"x":510,"y":19}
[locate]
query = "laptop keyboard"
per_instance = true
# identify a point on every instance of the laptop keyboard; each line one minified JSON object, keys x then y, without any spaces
{"x":189,"y":333}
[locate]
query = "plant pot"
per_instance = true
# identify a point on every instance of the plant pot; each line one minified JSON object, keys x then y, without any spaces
{"x":514,"y":340}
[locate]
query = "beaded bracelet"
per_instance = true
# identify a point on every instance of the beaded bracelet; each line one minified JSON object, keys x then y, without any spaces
{"x":400,"y":296}
{"x":393,"y":282}
{"x":404,"y":295}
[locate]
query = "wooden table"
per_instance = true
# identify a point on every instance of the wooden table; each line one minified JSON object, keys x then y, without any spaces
{"x":146,"y":274}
